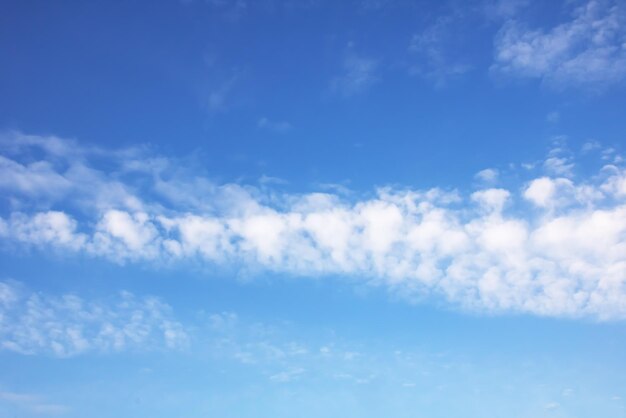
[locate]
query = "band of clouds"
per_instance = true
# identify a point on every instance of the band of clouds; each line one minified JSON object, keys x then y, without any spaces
{"x":554,"y":246}
{"x":34,"y":323}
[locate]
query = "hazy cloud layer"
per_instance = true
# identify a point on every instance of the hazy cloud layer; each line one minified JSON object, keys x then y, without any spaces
{"x":555,"y":245}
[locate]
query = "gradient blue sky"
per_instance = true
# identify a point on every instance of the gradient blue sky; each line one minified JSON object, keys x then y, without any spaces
{"x":282,"y":208}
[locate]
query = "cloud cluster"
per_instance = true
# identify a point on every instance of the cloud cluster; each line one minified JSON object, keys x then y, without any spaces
{"x":588,"y":50}
{"x":67,"y":325}
{"x":554,"y":246}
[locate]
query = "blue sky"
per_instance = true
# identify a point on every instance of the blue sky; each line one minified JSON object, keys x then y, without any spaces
{"x":365,"y":208}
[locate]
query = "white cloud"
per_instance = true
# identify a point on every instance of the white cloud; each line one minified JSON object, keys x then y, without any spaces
{"x":492,"y":200}
{"x":615,"y":185}
{"x":67,"y":325}
{"x":553,"y":193}
{"x":565,"y":256}
{"x":542,"y":191}
{"x":51,"y":227}
{"x":488,"y":175}
{"x":287,"y":375}
{"x":552,"y":405}
{"x":559,"y":166}
{"x":63,"y":173}
{"x":120,"y":231}
{"x":587,"y":51}
{"x":38,"y":178}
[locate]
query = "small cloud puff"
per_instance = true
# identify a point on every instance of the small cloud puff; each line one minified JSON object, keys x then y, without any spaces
{"x":488,"y":175}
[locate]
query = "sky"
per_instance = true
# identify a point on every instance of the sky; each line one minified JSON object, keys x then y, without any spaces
{"x":313,"y":209}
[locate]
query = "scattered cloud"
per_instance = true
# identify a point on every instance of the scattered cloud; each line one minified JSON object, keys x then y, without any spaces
{"x":432,"y":51}
{"x":488,"y":175}
{"x":287,"y":375}
{"x":503,"y":9}
{"x":587,"y":51}
{"x":559,"y":166}
{"x":68,"y":325}
{"x":280,"y":127}
{"x":359,"y":73}
{"x":591,"y":146}
{"x":554,"y":247}
{"x":553,"y":117}
{"x":32,"y":403}
{"x":552,"y":405}
{"x":218,"y":97}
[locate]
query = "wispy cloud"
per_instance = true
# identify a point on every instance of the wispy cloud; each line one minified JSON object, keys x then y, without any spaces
{"x":287,"y":375}
{"x":359,"y":73}
{"x":33,"y":403}
{"x":219,"y":95}
{"x":281,"y":355}
{"x":503,"y":9}
{"x":67,"y":325}
{"x":488,"y":175}
{"x":586,"y":51}
{"x":435,"y":52}
{"x":551,"y":246}
{"x":280,"y":127}
{"x":229,"y":10}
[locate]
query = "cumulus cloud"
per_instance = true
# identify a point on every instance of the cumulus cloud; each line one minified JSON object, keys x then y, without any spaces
{"x":68,"y":325}
{"x":587,"y":51}
{"x":51,"y":227}
{"x":554,"y":246}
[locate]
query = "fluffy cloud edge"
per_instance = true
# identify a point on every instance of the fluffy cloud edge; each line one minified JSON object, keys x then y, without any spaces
{"x":552,"y":246}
